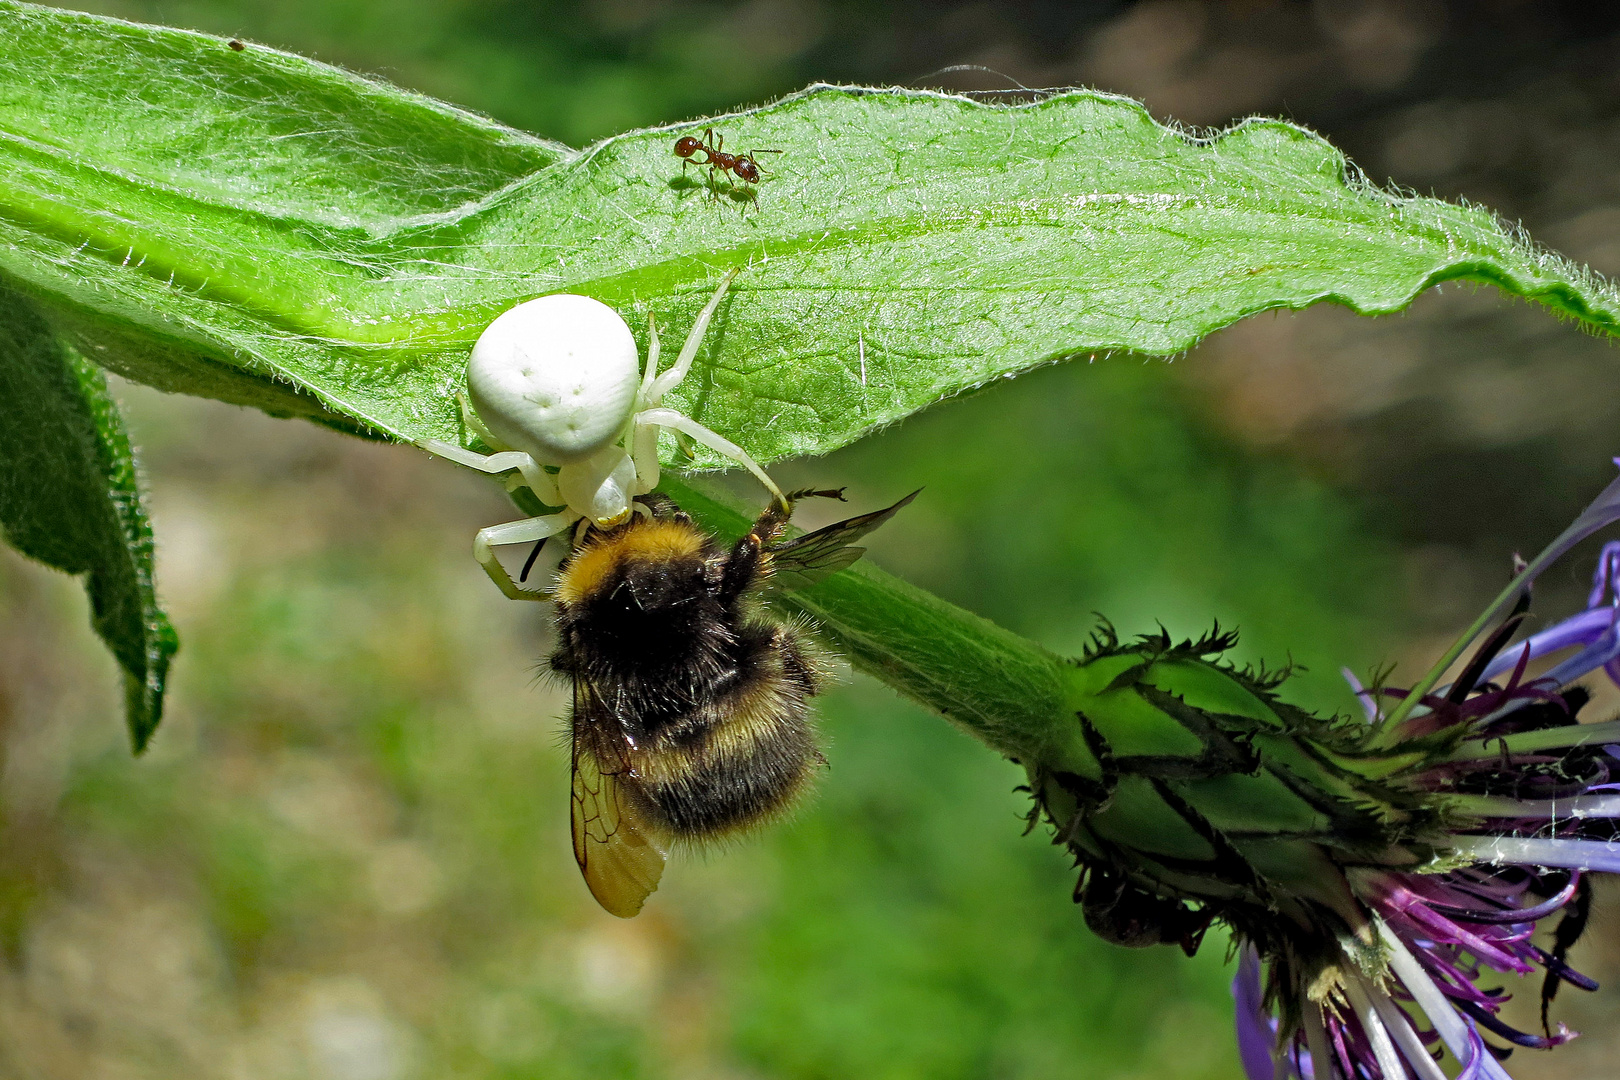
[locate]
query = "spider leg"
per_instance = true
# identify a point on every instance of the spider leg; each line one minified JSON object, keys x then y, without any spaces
{"x":670,"y":379}
{"x":713,"y":440}
{"x":471,"y":422}
{"x":536,"y":479}
{"x":516,"y":532}
{"x":651,"y":371}
{"x":644,"y":452}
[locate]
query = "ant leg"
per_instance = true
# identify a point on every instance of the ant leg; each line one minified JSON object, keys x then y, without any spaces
{"x":713,"y":440}
{"x":536,"y":479}
{"x":516,"y":532}
{"x":683,"y":363}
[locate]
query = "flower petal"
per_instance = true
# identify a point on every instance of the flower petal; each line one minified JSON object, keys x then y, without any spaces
{"x":1602,"y":511}
{"x":1581,"y":629}
{"x":1407,"y":1042}
{"x":1255,"y":1037}
{"x":1532,"y":851}
{"x":1460,"y":1038}
{"x":1383,"y":1047}
{"x":1316,"y":1042}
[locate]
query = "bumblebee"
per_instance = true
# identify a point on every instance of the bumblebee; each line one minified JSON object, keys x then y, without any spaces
{"x":691,"y":718}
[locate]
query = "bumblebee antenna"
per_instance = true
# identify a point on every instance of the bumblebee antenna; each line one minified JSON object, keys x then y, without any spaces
{"x":533,"y":555}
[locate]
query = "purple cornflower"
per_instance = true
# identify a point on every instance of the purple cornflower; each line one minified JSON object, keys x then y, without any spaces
{"x":1530,"y":800}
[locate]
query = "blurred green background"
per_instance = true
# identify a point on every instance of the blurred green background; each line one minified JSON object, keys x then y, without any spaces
{"x":346,"y":856}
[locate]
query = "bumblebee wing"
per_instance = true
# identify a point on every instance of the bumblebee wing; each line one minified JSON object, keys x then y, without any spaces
{"x":619,"y":854}
{"x":805,"y":560}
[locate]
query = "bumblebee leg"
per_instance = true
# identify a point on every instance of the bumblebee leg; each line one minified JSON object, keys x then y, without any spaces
{"x":816,"y":493}
{"x":742,"y":565}
{"x":516,"y":532}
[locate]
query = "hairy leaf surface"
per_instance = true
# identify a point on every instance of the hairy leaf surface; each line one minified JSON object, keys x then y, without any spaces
{"x":265,"y":229}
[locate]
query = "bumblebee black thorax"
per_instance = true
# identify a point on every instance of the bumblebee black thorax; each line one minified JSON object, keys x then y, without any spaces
{"x":644,"y":616}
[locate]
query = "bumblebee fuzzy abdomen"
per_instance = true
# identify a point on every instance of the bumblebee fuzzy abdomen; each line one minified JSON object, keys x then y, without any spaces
{"x":741,"y":759}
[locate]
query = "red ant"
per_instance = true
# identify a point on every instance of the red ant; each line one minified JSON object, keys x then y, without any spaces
{"x":744,"y":167}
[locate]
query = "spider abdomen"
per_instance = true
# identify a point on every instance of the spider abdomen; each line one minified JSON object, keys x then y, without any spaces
{"x":555,"y":377}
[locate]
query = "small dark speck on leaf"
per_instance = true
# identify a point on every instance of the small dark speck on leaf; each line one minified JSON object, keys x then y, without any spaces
{"x":236,"y":46}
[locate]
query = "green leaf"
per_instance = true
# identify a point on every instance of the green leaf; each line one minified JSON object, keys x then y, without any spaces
{"x":69,"y":497}
{"x":265,"y":229}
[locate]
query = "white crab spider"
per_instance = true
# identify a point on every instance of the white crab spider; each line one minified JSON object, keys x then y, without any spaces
{"x":554,"y":382}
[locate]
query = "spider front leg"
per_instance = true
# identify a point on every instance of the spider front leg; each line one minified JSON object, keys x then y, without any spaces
{"x":471,"y":421}
{"x":536,"y":479}
{"x":653,"y":386}
{"x":643,"y":439}
{"x":516,"y":532}
{"x":649,"y":416}
{"x":657,"y":418}
{"x":644,"y":452}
